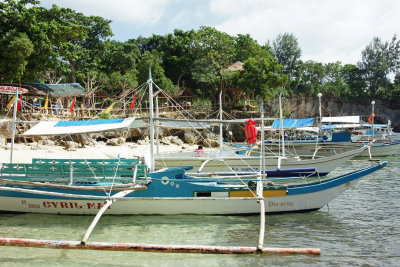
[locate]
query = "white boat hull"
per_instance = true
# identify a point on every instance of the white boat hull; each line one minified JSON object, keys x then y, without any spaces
{"x":241,"y":163}
{"x":165,"y":206}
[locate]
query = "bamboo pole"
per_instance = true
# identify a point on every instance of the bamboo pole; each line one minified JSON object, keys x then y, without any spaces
{"x":100,"y":213}
{"x":151,"y":118}
{"x":260,"y":194}
{"x":55,"y":244}
{"x":14,"y":125}
{"x":95,"y":221}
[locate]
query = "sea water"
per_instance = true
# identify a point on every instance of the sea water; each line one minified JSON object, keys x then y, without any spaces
{"x":359,"y":228}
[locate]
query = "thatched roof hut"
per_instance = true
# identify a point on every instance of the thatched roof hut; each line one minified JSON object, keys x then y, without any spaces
{"x":55,"y":90}
{"x":237,"y":66}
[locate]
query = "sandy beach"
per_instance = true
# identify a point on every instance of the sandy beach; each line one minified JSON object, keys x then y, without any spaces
{"x":24,"y":153}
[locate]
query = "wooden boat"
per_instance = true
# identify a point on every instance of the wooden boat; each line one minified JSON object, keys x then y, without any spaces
{"x":340,"y":138}
{"x":339,"y":143}
{"x":85,"y":186}
{"x":234,"y":161}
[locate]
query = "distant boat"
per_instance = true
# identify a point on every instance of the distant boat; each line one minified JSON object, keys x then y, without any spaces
{"x":234,"y":161}
{"x":339,"y":140}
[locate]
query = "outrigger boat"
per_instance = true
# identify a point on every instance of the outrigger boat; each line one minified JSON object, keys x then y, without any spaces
{"x":235,"y":161}
{"x":127,"y":187}
{"x":82,"y":186}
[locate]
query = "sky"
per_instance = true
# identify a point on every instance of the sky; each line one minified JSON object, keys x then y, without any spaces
{"x":326,"y":30}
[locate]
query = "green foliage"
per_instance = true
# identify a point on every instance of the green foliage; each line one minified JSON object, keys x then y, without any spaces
{"x":353,"y":78}
{"x":378,"y":61}
{"x":152,"y":60}
{"x":104,"y":116}
{"x":262,"y":77}
{"x":287,"y":52}
{"x":16,"y":48}
{"x":202,"y":105}
{"x":60,"y":44}
{"x":214,"y":51}
{"x":177,"y":55}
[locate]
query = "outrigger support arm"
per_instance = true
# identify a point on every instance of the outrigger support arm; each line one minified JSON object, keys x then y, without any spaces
{"x":260,"y":187}
{"x":101,"y":211}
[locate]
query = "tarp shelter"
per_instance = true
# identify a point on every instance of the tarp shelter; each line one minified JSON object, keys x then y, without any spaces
{"x":293,"y":123}
{"x":341,"y":119}
{"x":85,"y":126}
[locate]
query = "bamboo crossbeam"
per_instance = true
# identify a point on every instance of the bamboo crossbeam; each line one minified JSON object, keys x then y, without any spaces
{"x":54,"y":244}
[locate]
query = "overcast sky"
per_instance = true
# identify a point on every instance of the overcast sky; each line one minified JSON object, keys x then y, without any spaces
{"x":327,"y":30}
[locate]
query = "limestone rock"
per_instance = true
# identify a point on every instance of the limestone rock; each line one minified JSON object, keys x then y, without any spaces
{"x":191,"y":137}
{"x":70,"y":145}
{"x":116,"y":141}
{"x":45,"y":142}
{"x":145,"y":141}
{"x":211,"y":140}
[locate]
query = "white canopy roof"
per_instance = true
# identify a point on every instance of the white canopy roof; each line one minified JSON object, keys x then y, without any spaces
{"x":341,"y":119}
{"x":77,"y":127}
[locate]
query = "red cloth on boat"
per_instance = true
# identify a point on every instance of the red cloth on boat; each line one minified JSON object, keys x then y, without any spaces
{"x":251,"y":132}
{"x":370,"y":118}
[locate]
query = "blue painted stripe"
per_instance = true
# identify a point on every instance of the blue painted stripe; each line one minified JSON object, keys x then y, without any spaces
{"x":86,"y":123}
{"x":333,"y":182}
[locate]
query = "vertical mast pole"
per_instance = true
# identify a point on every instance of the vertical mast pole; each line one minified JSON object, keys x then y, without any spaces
{"x":150,"y":82}
{"x":260,"y":195}
{"x":320,"y":107}
{"x":14,"y":125}
{"x":157,"y":129}
{"x":281,"y":122}
{"x":220,"y":125}
{"x":373,"y":118}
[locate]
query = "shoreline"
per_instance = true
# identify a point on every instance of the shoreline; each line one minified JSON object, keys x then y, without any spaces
{"x":24,"y":153}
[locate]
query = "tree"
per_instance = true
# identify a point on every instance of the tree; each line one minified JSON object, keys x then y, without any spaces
{"x":214,"y":51}
{"x":246,"y":47}
{"x":287,"y":52}
{"x":177,"y":55}
{"x":77,"y":39}
{"x":378,"y":61}
{"x":120,"y":57}
{"x":333,"y":84}
{"x":262,"y":76}
{"x":311,"y":78}
{"x":23,"y":17}
{"x":353,"y":77}
{"x":152,"y":60}
{"x":16,"y":49}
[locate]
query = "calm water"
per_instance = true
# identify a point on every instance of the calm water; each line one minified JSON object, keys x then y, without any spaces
{"x":360,"y":228}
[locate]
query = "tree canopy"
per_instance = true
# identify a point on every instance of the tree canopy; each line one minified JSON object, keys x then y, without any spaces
{"x":61,"y":45}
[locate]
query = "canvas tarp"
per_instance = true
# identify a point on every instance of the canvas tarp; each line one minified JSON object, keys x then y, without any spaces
{"x":293,"y":123}
{"x":79,"y":127}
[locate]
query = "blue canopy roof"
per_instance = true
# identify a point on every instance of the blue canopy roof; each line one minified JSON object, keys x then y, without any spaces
{"x":293,"y":123}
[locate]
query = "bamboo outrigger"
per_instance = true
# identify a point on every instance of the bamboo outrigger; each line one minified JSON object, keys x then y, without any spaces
{"x":53,"y":244}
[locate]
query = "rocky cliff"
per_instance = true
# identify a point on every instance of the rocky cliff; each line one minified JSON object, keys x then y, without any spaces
{"x":308,"y":107}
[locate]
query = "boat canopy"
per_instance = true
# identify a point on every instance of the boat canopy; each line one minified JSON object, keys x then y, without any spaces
{"x":293,"y":123}
{"x":352,"y":126}
{"x":85,"y":126}
{"x":341,"y":119}
{"x":183,"y":125}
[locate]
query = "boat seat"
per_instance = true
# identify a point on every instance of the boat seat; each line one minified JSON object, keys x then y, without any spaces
{"x":80,"y":170}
